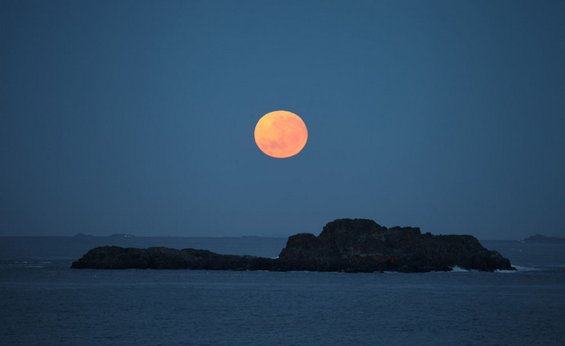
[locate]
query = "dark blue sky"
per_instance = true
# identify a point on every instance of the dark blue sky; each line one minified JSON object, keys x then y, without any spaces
{"x":138,"y":116}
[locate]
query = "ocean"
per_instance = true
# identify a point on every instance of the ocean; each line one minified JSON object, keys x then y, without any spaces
{"x":43,"y":302}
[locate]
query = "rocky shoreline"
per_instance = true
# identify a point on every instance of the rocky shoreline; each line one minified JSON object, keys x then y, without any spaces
{"x":344,"y":245}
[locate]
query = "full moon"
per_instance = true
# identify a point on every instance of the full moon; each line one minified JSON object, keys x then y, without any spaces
{"x":281,"y":134}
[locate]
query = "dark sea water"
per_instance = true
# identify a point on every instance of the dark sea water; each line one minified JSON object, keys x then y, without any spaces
{"x":43,"y":302}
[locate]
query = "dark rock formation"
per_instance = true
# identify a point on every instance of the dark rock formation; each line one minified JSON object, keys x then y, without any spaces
{"x":115,"y":257}
{"x":364,"y":246}
{"x":350,"y":245}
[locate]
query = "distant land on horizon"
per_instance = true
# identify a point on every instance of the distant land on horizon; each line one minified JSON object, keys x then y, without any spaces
{"x":66,"y":247}
{"x":72,"y":247}
{"x":540,"y":238}
{"x":81,"y":235}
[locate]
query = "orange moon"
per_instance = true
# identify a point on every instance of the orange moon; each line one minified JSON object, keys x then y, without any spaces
{"x":281,"y":134}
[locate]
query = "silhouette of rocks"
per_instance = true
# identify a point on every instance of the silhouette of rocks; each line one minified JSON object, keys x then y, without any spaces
{"x":348,"y":245}
{"x":359,"y":245}
{"x":115,"y":257}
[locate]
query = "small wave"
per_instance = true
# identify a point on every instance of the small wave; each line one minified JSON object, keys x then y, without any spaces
{"x":524,"y":268}
{"x":26,"y":264}
{"x":518,"y":269}
{"x":457,"y":269}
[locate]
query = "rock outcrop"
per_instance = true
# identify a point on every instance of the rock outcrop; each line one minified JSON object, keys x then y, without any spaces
{"x":363,"y":245}
{"x":348,"y":245}
{"x":115,"y":257}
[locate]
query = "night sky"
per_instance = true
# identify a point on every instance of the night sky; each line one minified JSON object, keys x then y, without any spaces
{"x":138,"y":116}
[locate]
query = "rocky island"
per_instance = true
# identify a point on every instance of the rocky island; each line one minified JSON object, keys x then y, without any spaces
{"x":344,"y":245}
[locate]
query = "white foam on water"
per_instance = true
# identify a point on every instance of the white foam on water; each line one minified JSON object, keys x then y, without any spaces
{"x":524,"y":268}
{"x":457,"y":269}
{"x":518,"y":269}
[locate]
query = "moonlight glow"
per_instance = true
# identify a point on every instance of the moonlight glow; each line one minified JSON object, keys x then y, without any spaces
{"x":281,"y":134}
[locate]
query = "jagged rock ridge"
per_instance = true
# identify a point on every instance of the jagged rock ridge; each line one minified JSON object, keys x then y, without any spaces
{"x":350,"y":245}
